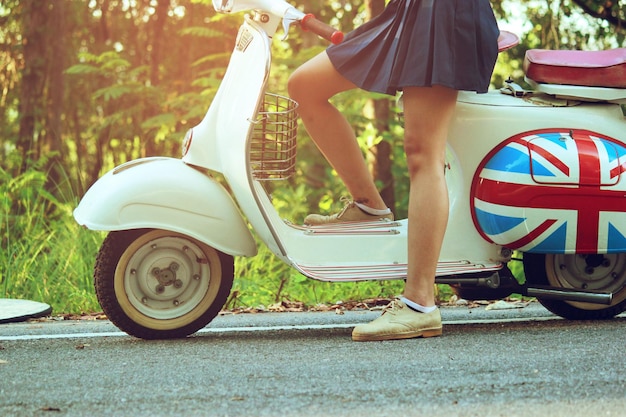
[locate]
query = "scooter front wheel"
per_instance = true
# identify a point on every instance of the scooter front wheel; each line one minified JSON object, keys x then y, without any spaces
{"x":157,"y":284}
{"x":606,"y":273}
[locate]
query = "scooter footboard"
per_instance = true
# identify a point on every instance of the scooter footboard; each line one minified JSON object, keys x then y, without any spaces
{"x":166,"y":193}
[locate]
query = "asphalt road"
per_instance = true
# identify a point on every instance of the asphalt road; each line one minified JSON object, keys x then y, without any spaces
{"x":522,"y":362}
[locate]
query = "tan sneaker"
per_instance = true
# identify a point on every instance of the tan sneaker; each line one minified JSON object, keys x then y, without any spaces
{"x":350,"y":213}
{"x":399,"y":322}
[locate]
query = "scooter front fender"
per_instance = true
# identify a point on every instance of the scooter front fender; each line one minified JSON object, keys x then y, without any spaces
{"x":166,"y":193}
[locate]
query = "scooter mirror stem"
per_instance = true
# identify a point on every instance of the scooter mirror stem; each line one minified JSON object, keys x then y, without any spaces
{"x":222,"y":6}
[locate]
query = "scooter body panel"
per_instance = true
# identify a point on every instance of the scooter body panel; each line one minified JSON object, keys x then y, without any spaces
{"x":482,"y":124}
{"x":553,"y":191}
{"x":165,"y":193}
{"x":499,"y":122}
{"x":217,"y":142}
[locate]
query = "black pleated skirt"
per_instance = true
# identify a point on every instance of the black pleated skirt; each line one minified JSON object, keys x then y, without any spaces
{"x":421,"y":43}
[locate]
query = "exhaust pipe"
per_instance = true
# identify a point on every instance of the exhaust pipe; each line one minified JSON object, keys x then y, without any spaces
{"x":497,"y":280}
{"x":566,"y":294}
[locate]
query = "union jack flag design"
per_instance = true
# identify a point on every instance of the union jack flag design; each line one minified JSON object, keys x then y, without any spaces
{"x":553,"y":191}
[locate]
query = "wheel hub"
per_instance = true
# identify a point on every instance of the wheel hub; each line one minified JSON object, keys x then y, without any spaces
{"x":595,"y":261}
{"x":166,"y":278}
{"x":591,"y":272}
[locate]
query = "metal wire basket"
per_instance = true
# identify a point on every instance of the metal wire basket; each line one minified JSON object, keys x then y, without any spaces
{"x":273,"y":142}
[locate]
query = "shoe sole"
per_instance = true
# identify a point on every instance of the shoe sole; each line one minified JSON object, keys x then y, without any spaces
{"x":396,"y":336}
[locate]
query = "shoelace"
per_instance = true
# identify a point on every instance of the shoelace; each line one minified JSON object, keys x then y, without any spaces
{"x":393,"y":306}
{"x":348,"y":203}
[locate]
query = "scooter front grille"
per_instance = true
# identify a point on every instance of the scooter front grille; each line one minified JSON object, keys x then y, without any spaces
{"x":273,"y":142}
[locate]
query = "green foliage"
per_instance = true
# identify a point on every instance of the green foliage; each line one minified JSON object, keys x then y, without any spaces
{"x":201,"y":32}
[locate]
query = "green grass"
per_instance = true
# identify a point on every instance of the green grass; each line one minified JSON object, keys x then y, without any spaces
{"x":44,"y":255}
{"x":265,"y":280}
{"x":53,"y":266}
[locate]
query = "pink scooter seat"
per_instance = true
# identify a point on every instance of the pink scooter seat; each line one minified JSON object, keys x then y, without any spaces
{"x":580,"y":68}
{"x":507,"y":40}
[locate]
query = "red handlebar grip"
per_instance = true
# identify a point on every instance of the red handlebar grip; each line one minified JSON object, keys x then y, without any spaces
{"x":336,"y":37}
{"x":310,"y":22}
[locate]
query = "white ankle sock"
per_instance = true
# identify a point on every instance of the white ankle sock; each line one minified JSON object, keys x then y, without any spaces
{"x":417,"y":307}
{"x":372,"y":211}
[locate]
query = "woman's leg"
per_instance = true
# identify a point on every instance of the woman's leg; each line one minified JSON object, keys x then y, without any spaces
{"x":427,"y":116}
{"x":312,"y":85}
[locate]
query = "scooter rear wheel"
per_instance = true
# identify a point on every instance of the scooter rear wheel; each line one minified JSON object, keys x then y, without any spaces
{"x":605,"y":273}
{"x":157,"y":284}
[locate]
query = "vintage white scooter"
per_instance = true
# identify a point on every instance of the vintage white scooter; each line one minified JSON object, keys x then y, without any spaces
{"x":540,"y":171}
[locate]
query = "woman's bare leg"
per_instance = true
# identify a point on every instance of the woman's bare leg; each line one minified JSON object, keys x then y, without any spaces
{"x":427,"y":113}
{"x":312,"y":85}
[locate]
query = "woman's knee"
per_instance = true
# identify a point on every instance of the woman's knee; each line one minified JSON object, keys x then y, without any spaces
{"x":302,"y":82}
{"x":316,"y":81}
{"x":295,"y":84}
{"x":422,"y":154}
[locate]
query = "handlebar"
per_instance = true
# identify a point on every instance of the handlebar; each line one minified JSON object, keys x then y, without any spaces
{"x":310,"y":23}
{"x":289,"y":14}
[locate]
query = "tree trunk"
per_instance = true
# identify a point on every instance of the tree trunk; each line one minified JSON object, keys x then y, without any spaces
{"x":379,"y":156}
{"x":34,"y":20}
{"x":56,"y":88}
{"x":608,"y":10}
{"x":158,"y":22}
{"x":156,"y":42}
